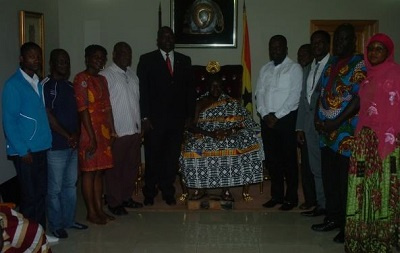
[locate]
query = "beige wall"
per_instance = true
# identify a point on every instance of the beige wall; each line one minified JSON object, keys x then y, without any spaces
{"x":136,"y":23}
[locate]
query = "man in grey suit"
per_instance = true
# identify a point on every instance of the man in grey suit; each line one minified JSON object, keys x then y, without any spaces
{"x":307,"y":136}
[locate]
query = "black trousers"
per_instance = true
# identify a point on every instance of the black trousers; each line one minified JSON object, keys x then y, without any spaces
{"x":162,"y":149}
{"x":10,"y":191}
{"x":307,"y":177}
{"x":33,"y":186}
{"x":280,"y":147}
{"x":335,"y":176}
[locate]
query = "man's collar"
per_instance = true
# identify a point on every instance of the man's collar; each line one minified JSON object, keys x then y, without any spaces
{"x":34,"y":78}
{"x":118,"y":69}
{"x":169,"y":53}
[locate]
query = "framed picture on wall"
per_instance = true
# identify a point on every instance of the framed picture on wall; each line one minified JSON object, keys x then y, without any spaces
{"x":31,"y":29}
{"x":204,"y":23}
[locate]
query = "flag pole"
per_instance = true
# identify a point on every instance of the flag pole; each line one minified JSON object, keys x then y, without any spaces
{"x":159,"y":16}
{"x":246,"y":63}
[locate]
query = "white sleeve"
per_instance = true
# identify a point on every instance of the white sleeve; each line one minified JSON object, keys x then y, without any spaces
{"x":292,"y":101}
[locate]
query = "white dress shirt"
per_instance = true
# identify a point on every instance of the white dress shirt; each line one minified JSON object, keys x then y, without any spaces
{"x":315,"y":74}
{"x":34,"y":82}
{"x":124,"y":97}
{"x":278,"y":88}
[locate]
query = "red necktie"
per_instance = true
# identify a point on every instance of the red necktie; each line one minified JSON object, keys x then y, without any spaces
{"x":171,"y":71}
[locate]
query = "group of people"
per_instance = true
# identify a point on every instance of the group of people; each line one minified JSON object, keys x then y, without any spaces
{"x":347,"y":109}
{"x":340,"y":109}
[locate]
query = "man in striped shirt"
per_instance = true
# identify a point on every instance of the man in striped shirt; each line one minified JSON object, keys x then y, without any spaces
{"x":123,"y":85}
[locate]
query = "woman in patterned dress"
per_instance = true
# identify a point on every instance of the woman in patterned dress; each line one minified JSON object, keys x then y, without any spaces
{"x":97,"y":131}
{"x":223,"y":147}
{"x":372,"y":221}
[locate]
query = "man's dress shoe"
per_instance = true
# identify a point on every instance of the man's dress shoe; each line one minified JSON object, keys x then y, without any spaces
{"x":326,"y":226}
{"x":171,"y":201}
{"x":271,"y":203}
{"x":317,"y":211}
{"x":130,"y":203}
{"x":339,"y":238}
{"x":148,"y":201}
{"x":306,"y":206}
{"x":287,"y":206}
{"x":118,"y":210}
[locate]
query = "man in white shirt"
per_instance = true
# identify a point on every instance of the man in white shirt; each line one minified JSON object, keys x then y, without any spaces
{"x":307,"y":136}
{"x":277,"y":98}
{"x":123,"y":85}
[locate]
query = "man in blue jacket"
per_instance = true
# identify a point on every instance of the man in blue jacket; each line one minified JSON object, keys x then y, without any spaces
{"x":27,"y":131}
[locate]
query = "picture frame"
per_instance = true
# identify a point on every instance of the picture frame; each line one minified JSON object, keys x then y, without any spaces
{"x":204,"y":23}
{"x":31,"y":29}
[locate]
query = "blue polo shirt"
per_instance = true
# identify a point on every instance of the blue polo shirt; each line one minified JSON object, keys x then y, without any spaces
{"x":59,"y":97}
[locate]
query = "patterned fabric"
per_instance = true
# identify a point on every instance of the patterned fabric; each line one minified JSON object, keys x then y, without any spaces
{"x":236,"y":160}
{"x":92,"y":94}
{"x":335,"y":95}
{"x":380,"y":98}
{"x":20,"y":234}
{"x":373,"y":202}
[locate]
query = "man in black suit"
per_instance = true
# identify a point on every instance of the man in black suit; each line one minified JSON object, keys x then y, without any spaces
{"x":167,"y":101}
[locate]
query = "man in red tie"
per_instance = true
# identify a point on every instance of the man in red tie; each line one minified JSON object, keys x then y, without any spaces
{"x":167,"y":100}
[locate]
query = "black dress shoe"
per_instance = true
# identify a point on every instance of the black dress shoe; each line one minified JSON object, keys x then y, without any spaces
{"x":171,"y":201}
{"x":339,"y":238}
{"x":130,"y":203}
{"x":326,"y":226}
{"x":148,"y":201}
{"x":118,"y":210}
{"x":306,"y":206}
{"x":314,"y":213}
{"x":287,"y":206}
{"x":271,"y":203}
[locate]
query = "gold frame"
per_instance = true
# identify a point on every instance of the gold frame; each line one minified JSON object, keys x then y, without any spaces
{"x":31,"y":28}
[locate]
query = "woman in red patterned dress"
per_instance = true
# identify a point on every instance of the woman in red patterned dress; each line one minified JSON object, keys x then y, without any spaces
{"x":97,"y":131}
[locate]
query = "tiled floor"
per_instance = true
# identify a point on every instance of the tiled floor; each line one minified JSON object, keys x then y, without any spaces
{"x":205,"y":231}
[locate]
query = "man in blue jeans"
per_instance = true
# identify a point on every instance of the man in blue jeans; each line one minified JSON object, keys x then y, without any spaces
{"x":62,"y":158}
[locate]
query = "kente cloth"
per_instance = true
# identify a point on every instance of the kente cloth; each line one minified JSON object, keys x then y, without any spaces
{"x":337,"y":90}
{"x":21,"y":234}
{"x":236,"y":160}
{"x":373,"y":202}
{"x":92,"y":93}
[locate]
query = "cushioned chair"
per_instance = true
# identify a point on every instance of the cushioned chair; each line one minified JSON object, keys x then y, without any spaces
{"x":231,"y":76}
{"x":232,"y":82}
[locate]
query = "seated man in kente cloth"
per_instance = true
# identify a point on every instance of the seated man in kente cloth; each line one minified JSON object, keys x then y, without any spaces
{"x":223,"y":146}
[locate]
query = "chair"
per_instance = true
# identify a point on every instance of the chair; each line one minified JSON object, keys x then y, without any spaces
{"x":232,"y":82}
{"x":231,"y":76}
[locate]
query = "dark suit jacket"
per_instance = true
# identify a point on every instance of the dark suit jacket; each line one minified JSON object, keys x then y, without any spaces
{"x":162,"y":96}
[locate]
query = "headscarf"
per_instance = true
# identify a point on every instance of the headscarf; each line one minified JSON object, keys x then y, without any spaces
{"x":380,"y":97}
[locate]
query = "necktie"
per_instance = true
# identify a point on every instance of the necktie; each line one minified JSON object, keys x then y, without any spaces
{"x":169,"y":64}
{"x":315,"y":74}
